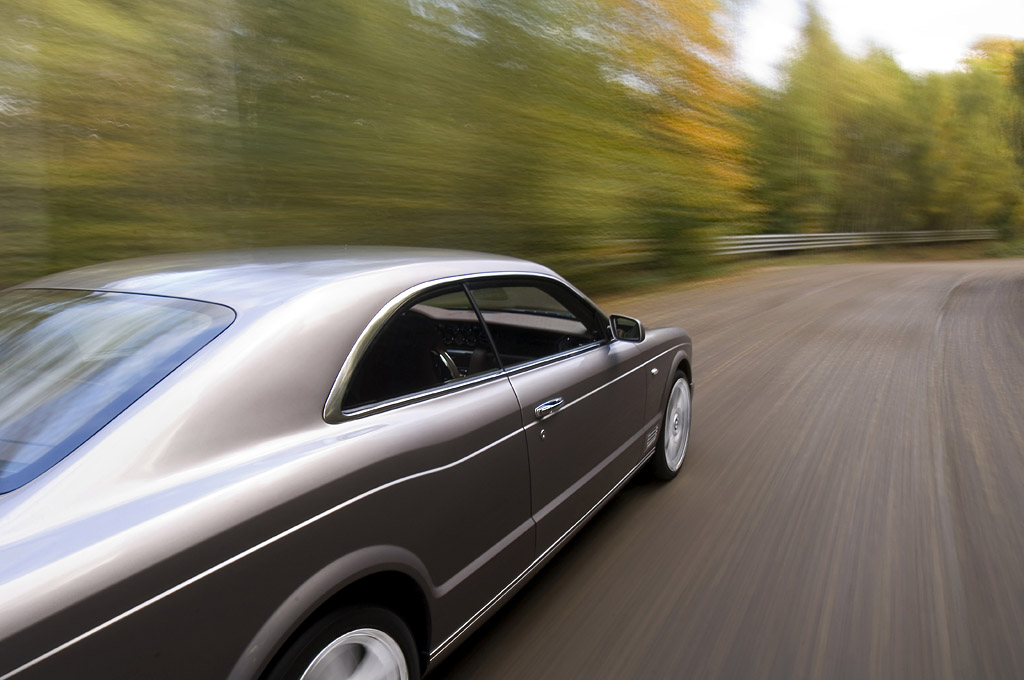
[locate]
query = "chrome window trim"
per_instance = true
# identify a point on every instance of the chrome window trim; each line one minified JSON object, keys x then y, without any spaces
{"x":406,"y":399}
{"x":552,"y":358}
{"x":333,"y":412}
{"x":422,"y":395}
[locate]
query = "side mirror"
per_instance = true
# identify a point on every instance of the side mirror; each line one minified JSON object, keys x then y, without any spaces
{"x":627,"y":328}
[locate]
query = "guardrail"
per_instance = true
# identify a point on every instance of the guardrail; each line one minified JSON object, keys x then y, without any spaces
{"x":770,"y":243}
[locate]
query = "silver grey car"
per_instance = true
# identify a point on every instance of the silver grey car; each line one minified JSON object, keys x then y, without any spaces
{"x":305,"y":464}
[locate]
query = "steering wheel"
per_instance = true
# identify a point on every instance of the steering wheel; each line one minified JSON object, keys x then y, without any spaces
{"x":446,"y":366}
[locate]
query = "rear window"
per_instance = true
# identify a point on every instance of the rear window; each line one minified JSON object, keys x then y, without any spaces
{"x":70,"y":361}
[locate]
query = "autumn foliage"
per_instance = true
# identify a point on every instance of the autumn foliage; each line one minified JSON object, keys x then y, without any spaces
{"x":609,"y":138}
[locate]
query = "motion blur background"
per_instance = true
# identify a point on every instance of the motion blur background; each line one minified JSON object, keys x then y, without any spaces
{"x":608,"y":138}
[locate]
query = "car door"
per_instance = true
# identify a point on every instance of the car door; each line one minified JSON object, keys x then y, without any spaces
{"x":582,"y":398}
{"x":438,"y":412}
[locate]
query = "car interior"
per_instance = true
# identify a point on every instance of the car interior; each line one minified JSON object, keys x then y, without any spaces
{"x":440,"y":339}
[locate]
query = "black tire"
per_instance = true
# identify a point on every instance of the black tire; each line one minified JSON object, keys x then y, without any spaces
{"x":352,"y":635}
{"x":674,"y":435}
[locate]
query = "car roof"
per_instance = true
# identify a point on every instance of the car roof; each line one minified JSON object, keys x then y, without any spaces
{"x":264,"y":278}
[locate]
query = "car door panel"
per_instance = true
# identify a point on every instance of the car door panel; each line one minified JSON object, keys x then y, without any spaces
{"x":582,"y":448}
{"x":465,"y":510}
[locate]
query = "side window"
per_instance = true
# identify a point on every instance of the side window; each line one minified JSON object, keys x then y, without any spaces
{"x":531,"y":320}
{"x":434,"y":340}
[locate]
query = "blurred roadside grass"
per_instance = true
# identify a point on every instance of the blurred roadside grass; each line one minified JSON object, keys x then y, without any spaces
{"x":1014,"y":248}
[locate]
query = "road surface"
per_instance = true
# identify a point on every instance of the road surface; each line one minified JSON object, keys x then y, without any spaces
{"x":851,"y":506}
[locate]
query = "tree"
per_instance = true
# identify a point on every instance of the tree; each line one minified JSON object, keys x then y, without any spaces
{"x":797,"y":127}
{"x":860,"y":145}
{"x":674,"y":59}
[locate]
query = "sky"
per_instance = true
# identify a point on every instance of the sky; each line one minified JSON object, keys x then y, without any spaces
{"x":923,"y":35}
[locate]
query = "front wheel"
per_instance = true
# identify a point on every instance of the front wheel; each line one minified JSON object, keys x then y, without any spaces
{"x":358,"y":642}
{"x":675,"y":430}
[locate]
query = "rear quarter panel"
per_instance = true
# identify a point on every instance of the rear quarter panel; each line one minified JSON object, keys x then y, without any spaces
{"x":405,"y":493}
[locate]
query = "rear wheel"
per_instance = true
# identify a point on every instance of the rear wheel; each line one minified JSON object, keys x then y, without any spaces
{"x":675,"y":430}
{"x":356,"y":643}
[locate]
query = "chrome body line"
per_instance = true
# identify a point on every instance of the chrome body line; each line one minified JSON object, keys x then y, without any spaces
{"x":601,"y":387}
{"x":449,"y":585}
{"x":245,"y":553}
{"x":542,"y":558}
{"x":536,"y":564}
{"x":543,"y":512}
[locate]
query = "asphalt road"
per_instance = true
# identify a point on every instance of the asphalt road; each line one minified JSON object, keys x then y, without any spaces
{"x":851,"y":505}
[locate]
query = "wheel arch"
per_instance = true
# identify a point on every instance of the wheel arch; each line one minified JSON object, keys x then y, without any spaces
{"x":683,"y":365}
{"x":680,"y":362}
{"x":384,"y":576}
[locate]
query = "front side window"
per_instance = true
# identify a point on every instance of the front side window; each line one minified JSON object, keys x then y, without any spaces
{"x":534,"y":320}
{"x":70,"y":361}
{"x":433,"y":341}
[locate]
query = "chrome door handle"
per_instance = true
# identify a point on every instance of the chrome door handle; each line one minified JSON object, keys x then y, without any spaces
{"x":548,"y":407}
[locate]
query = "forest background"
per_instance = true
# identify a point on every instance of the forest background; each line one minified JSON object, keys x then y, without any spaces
{"x":610,"y":139}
